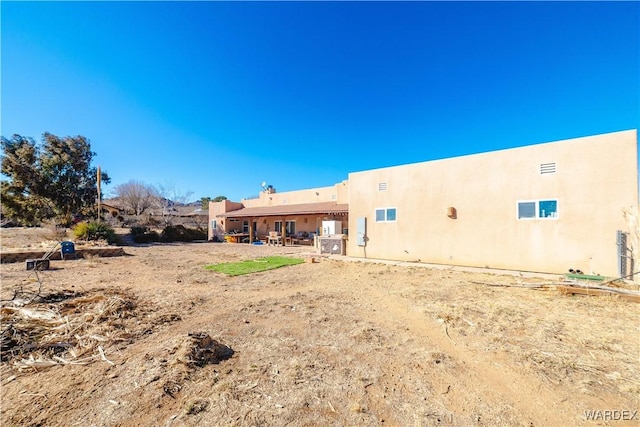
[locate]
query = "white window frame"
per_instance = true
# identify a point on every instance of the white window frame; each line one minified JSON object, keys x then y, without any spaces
{"x":277,"y":226}
{"x":386,"y":214}
{"x":536,"y":214}
{"x":546,"y":217}
{"x":245,"y":226}
{"x":535,"y":210}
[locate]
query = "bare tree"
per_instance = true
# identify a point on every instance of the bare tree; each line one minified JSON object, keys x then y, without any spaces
{"x":166,"y":197}
{"x":135,"y":196}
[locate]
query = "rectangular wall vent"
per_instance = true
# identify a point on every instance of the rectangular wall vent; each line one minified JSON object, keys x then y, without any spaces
{"x":546,"y":168}
{"x":382,"y":186}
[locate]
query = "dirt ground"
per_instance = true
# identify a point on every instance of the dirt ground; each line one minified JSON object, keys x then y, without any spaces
{"x":154,"y":339}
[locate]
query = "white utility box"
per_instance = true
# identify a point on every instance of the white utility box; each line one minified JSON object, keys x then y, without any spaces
{"x":330,"y":228}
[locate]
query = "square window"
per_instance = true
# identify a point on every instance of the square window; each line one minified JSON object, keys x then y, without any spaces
{"x":526,"y":210}
{"x":391,"y":214}
{"x":385,"y":214}
{"x":548,"y":209}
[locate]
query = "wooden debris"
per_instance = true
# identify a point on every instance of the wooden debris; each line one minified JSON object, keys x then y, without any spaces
{"x":509,"y":285}
{"x":200,"y":349}
{"x":596,"y":291}
{"x":62,"y":331}
{"x":603,"y":288}
{"x":103,"y":356}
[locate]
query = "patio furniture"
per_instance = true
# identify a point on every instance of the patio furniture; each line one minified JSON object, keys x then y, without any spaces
{"x":237,"y":237}
{"x":275,"y":238}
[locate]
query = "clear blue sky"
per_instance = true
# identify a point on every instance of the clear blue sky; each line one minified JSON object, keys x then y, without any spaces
{"x":215,"y":97}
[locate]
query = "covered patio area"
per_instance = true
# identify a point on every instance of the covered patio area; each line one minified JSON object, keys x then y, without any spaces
{"x":295,"y":224}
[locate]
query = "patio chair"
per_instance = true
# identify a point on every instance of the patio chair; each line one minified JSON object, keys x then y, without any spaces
{"x":275,"y":238}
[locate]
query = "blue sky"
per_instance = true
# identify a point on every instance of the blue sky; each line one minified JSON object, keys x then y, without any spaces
{"x":213,"y":98}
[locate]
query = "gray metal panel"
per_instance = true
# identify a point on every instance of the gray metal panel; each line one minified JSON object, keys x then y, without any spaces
{"x":361,"y":231}
{"x":332,"y":245}
{"x":623,"y":258}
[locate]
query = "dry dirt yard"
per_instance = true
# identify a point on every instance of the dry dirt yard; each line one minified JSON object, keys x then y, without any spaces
{"x":144,"y":339}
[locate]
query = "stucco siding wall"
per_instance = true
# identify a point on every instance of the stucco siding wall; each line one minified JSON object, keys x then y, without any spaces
{"x":596,"y":178}
{"x":338,"y":193}
{"x":216,"y":208}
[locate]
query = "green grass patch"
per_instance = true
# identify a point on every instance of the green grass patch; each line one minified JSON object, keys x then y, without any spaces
{"x":253,"y":266}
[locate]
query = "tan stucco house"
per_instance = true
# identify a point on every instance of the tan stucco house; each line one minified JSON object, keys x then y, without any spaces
{"x":547,"y":207}
{"x":301,"y":212}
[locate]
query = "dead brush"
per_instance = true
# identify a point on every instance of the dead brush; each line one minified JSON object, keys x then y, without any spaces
{"x":200,"y":349}
{"x":93,"y":259}
{"x":67,"y":331}
{"x":54,"y":234}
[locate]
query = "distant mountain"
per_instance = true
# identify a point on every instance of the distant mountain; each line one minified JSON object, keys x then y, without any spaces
{"x":115,"y":201}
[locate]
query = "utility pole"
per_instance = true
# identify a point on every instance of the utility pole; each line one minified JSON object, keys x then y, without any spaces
{"x":99,"y":194}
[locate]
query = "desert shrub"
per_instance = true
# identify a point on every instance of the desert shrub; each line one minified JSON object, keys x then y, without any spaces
{"x":153,"y":222}
{"x":94,"y":231}
{"x":53,"y":233}
{"x":148,"y":237}
{"x":137,"y":230}
{"x":141,"y":234}
{"x":179,"y":233}
{"x":128,"y":222}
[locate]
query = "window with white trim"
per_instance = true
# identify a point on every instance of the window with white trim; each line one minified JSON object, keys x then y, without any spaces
{"x":386,"y":214}
{"x":245,"y":226}
{"x":547,"y":209}
{"x":536,"y":209}
{"x":291,"y":227}
{"x":526,"y":209}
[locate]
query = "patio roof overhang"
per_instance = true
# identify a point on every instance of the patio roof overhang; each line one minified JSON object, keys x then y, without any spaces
{"x":321,"y":208}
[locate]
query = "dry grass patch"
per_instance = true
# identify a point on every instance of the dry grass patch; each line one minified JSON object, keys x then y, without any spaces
{"x":328,"y":343}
